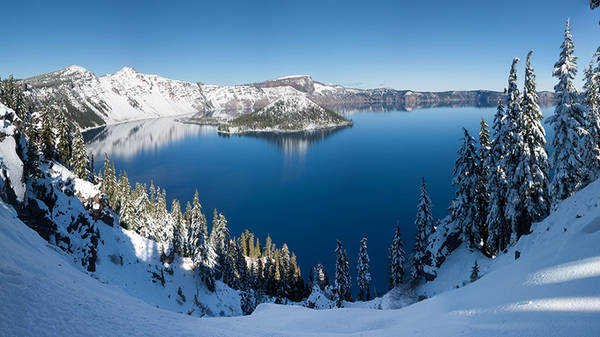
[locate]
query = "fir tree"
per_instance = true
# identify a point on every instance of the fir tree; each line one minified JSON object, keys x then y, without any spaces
{"x":319,"y":277}
{"x":47,"y":136}
{"x":342,"y":275}
{"x":475,"y":272}
{"x":198,"y":236}
{"x":363,"y":275}
{"x":396,"y":260}
{"x":241,"y":267}
{"x":483,"y":199}
{"x":79,"y":159}
{"x":528,"y":196}
{"x":515,"y":149}
{"x":568,"y":123}
{"x":424,"y":223}
{"x":591,"y":141}
{"x":467,"y":179}
{"x":498,"y":233}
{"x":126,"y":211}
{"x":179,"y":228}
{"x":31,"y":165}
{"x":219,"y":242}
{"x":64,"y":141}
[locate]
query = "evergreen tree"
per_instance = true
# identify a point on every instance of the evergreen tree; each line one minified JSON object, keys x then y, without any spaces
{"x":64,"y":141}
{"x":396,"y":260}
{"x":47,"y":136}
{"x":164,"y":225}
{"x":241,"y":266}
{"x":467,"y":178}
{"x":342,"y":275}
{"x":568,"y":123}
{"x":363,"y":274}
{"x":424,"y":223}
{"x":179,"y":228}
{"x":528,"y":195}
{"x":483,"y":199}
{"x":591,"y":141}
{"x":31,"y":165}
{"x":79,"y":159}
{"x":286,"y":271}
{"x":199,"y":242}
{"x":127,"y":210}
{"x":498,"y":233}
{"x":319,"y":277}
{"x":219,"y":242}
{"x":475,"y":272}
{"x":515,"y":148}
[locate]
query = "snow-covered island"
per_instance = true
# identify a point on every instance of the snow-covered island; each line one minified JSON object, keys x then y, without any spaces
{"x":288,"y":114}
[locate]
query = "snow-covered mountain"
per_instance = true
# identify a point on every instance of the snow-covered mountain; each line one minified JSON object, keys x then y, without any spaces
{"x":126,"y":95}
{"x":289,"y":114}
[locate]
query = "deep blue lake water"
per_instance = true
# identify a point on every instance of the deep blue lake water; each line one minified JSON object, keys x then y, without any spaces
{"x":306,"y":190}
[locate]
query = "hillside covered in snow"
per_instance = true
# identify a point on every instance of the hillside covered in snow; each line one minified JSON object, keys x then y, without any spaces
{"x":296,"y":113}
{"x":550,"y":290}
{"x":126,"y":95}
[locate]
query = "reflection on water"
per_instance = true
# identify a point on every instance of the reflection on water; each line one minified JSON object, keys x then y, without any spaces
{"x":292,"y":143}
{"x":128,"y":139}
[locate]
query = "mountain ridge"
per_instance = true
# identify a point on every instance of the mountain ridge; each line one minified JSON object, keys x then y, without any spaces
{"x":125,"y":95}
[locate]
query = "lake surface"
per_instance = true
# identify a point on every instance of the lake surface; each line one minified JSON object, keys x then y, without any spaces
{"x":304,"y":189}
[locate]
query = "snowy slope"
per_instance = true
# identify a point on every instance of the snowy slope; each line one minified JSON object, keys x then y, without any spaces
{"x":288,"y":114}
{"x":551,"y":290}
{"x":128,"y":95}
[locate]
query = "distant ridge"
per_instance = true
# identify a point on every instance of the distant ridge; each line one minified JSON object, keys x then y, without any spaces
{"x":125,"y":95}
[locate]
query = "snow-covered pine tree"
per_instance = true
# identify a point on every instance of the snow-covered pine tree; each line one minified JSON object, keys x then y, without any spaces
{"x":126,"y":211}
{"x":483,"y":200}
{"x":219,"y":240}
{"x":475,"y":272}
{"x":47,"y":135}
{"x":424,"y":222}
{"x":515,"y":148}
{"x":199,"y":242}
{"x":164,"y":225}
{"x":591,"y":141}
{"x":498,"y":229}
{"x":286,"y":267}
{"x":467,"y":178}
{"x":568,"y":123}
{"x":179,"y":228}
{"x":529,"y":200}
{"x":342,"y":275}
{"x":31,"y":165}
{"x":64,"y":141}
{"x":319,"y":277}
{"x":363,"y":277}
{"x":396,"y":260}
{"x":79,"y":158}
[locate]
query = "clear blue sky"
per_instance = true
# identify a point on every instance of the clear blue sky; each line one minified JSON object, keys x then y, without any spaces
{"x":419,"y":45}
